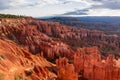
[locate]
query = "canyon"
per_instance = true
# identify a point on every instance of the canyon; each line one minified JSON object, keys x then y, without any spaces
{"x":32,"y":49}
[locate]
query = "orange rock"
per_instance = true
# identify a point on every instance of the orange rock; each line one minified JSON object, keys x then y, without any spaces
{"x":65,"y":71}
{"x":26,"y":43}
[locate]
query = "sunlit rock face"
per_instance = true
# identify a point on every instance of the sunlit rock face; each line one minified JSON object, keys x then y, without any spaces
{"x":89,"y":64}
{"x":66,"y":71}
{"x":39,"y":50}
{"x":34,"y":33}
{"x":26,"y":33}
{"x":15,"y":62}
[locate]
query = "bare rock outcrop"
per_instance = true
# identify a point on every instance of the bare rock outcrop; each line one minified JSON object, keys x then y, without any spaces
{"x":66,"y":71}
{"x":90,"y":65}
{"x":15,"y":62}
{"x":31,"y":47}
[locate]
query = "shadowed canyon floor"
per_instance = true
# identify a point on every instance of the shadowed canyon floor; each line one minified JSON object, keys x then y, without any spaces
{"x":33,"y":49}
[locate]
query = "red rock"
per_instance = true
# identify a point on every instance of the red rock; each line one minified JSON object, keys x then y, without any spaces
{"x":25,"y":44}
{"x":14,"y":61}
{"x":65,"y":71}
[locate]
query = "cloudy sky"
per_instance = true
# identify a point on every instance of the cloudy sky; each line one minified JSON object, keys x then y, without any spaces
{"x":38,"y":8}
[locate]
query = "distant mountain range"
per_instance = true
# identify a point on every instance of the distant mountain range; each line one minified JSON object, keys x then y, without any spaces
{"x":114,"y":19}
{"x":110,"y":25}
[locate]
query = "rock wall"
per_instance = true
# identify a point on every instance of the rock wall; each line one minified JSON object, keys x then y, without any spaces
{"x":89,"y":64}
{"x":37,"y":50}
{"x":66,"y":71}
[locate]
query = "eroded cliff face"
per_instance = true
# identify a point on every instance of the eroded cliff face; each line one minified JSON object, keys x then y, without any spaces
{"x":37,"y":50}
{"x":66,"y":71}
{"x":16,"y":62}
{"x":30,"y":33}
{"x":25,"y":33}
{"x":90,"y":64}
{"x":79,"y":37}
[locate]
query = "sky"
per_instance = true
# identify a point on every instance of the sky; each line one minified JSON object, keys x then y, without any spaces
{"x":40,"y":8}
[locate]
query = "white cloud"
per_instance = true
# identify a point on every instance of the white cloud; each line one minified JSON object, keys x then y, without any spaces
{"x":104,"y":12}
{"x":22,"y":3}
{"x":50,"y":7}
{"x":17,"y":3}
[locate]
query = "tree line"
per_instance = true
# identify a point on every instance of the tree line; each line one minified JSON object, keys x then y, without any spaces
{"x":11,"y":16}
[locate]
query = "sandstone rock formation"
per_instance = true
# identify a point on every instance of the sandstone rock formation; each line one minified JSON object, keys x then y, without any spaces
{"x":66,"y":71}
{"x":37,"y":50}
{"x":89,"y":64}
{"x":15,"y":62}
